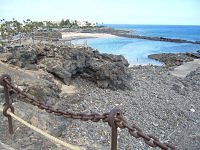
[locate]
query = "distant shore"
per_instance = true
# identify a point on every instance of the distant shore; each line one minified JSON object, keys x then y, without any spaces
{"x":110,"y":32}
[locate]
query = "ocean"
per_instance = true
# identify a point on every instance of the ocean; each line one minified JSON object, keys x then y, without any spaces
{"x":136,"y":51}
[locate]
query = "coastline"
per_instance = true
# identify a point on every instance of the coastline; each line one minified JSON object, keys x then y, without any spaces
{"x":121,"y":33}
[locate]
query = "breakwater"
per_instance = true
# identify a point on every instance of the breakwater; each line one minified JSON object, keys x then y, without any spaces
{"x":127,"y":34}
{"x":155,"y":38}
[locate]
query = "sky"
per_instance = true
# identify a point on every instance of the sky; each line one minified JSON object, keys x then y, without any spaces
{"x":169,"y":12}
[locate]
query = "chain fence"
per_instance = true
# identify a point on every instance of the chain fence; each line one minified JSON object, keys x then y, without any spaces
{"x":114,"y":118}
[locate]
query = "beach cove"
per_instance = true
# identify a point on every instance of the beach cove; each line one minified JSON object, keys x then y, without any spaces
{"x":136,"y":50}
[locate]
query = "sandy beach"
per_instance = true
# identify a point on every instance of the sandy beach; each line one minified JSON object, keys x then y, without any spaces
{"x":76,"y":35}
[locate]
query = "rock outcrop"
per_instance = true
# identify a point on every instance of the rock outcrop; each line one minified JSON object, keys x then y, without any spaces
{"x":170,"y":59}
{"x":67,"y":62}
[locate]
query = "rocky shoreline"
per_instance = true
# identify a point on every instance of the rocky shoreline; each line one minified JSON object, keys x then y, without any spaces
{"x":171,"y":59}
{"x":149,"y":96}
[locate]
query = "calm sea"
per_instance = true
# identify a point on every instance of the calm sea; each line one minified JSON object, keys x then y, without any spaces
{"x":136,"y":51}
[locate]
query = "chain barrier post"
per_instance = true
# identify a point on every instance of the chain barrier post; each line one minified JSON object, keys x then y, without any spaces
{"x":114,"y":113}
{"x":8,"y":102}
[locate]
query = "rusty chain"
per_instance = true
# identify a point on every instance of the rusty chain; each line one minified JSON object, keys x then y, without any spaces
{"x":136,"y":132}
{"x":114,"y":118}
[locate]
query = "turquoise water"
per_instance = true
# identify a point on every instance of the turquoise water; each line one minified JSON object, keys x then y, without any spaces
{"x":136,"y":51}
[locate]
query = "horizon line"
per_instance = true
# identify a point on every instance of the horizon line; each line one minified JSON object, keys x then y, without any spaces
{"x":148,"y":24}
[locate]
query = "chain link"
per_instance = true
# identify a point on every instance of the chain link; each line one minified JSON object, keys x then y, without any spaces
{"x":85,"y":117}
{"x":134,"y":130}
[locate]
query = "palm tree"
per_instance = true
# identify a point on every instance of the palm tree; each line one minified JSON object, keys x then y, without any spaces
{"x":75,"y":23}
{"x":18,"y":29}
{"x":1,"y":31}
{"x":62,"y":23}
{"x":2,"y":28}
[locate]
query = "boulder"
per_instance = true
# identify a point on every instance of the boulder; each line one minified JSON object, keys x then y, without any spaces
{"x":108,"y":72}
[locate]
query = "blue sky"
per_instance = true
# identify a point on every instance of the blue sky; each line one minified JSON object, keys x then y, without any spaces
{"x":177,"y":12}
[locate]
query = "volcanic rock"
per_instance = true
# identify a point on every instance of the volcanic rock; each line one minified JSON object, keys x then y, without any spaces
{"x":67,"y":62}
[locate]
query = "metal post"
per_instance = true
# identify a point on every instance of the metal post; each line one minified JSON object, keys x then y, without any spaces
{"x":114,"y":138}
{"x":8,"y":103}
{"x":111,"y":121}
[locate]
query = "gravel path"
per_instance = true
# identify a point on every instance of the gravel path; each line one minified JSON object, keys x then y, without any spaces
{"x":159,"y":103}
